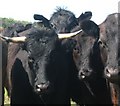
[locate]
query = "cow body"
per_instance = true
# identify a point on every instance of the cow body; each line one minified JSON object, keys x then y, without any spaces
{"x":4,"y":52}
{"x":110,"y":36}
{"x":9,"y":52}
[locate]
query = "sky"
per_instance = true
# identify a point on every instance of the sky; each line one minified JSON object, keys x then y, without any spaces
{"x":25,"y":9}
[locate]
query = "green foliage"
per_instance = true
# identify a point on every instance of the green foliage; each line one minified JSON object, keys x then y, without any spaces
{"x":6,"y":22}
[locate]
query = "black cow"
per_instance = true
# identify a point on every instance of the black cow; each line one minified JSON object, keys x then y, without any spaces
{"x":109,"y":30}
{"x":87,"y":56}
{"x":42,"y":72}
{"x":8,"y":53}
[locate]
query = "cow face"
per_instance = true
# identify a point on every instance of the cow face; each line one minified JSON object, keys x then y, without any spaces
{"x":87,"y":52}
{"x":40,"y":46}
{"x":63,"y":21}
{"x":110,"y":35}
{"x":46,"y":59}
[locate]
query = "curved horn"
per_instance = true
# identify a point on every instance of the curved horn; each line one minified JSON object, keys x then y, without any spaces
{"x":68,"y":35}
{"x":14,"y":39}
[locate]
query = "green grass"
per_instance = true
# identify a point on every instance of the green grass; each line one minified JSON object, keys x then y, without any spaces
{"x":7,"y":99}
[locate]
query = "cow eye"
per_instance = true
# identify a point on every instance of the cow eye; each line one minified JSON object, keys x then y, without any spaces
{"x":52,"y":25}
{"x":100,"y":42}
{"x":76,"y":49}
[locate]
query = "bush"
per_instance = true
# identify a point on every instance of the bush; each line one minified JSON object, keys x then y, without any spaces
{"x":6,"y":22}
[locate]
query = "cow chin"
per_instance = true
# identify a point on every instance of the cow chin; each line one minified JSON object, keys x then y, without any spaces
{"x":85,"y":74}
{"x":112,"y":75}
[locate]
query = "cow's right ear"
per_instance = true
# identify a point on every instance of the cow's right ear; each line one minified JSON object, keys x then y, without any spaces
{"x":90,"y":28}
{"x":42,"y":19}
{"x":86,"y":16}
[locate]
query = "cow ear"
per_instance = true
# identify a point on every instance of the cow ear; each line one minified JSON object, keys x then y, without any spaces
{"x":90,"y":28}
{"x":86,"y":16}
{"x":42,"y":19}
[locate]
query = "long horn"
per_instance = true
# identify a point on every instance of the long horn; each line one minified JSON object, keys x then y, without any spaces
{"x":14,"y":39}
{"x":68,"y":35}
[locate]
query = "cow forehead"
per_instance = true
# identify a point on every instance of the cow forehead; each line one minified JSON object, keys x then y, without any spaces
{"x":86,"y":40}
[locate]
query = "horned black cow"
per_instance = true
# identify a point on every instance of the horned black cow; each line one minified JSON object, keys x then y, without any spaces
{"x":109,"y":30}
{"x":42,"y":70}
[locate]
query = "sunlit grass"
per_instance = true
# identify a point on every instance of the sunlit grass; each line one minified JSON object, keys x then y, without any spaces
{"x":7,"y":99}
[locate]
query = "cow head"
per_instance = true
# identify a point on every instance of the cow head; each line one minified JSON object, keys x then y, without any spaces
{"x":110,"y":35}
{"x":41,"y":48}
{"x":45,"y":57}
{"x":87,"y":55}
{"x":65,"y":21}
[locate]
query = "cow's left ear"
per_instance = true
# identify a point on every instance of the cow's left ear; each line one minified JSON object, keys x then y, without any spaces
{"x":86,"y":16}
{"x":90,"y":28}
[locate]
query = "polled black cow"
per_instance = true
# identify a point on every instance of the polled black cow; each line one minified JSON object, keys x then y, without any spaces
{"x":41,"y":73}
{"x":109,"y":30}
{"x":87,"y":55}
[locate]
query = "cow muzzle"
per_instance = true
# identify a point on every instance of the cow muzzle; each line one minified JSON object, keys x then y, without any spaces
{"x":42,"y":87}
{"x":112,"y":75}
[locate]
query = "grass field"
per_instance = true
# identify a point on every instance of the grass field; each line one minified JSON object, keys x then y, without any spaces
{"x":7,"y":100}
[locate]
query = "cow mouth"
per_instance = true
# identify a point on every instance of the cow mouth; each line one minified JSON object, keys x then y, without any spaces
{"x":113,"y":75}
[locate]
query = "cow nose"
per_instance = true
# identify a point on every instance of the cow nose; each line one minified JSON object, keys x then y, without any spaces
{"x":42,"y":87}
{"x":107,"y":72}
{"x":112,"y":74}
{"x":85,"y":73}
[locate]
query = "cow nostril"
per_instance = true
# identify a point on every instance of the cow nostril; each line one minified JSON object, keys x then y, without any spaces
{"x":107,"y":70}
{"x":82,"y":75}
{"x":38,"y":87}
{"x":42,"y":86}
{"x":85,"y":70}
{"x":107,"y":73}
